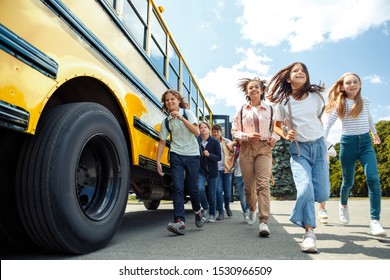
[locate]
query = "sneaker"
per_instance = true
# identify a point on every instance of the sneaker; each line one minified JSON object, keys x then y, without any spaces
{"x":212,"y":219}
{"x":309,"y":242}
{"x":229,"y":212}
{"x":252,"y":217}
{"x":206,"y":215}
{"x":246,"y":216}
{"x":263,"y":230}
{"x":177,"y":227}
{"x":199,"y":218}
{"x":220,"y":217}
{"x":376,"y":229}
{"x":344,"y":214}
{"x":323,"y":216}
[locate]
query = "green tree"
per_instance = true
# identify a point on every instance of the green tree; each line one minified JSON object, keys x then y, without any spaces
{"x":283,"y":187}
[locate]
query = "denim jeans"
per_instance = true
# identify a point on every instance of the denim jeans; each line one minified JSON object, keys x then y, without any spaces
{"x":224,"y":187}
{"x":207,"y":200}
{"x":352,"y":149}
{"x":311,"y":177}
{"x":241,"y":193}
{"x":184,"y":169}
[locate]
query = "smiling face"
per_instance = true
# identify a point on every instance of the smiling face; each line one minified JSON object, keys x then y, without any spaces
{"x":217,"y":134}
{"x":298,"y":76}
{"x":171,"y":102}
{"x":351,"y":85}
{"x":254,"y":91}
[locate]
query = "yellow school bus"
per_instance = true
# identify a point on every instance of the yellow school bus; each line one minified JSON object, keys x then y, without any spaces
{"x":80,"y":113}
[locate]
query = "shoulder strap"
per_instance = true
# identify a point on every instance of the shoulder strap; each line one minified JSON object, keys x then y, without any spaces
{"x":242,"y":108}
{"x":291,"y":124}
{"x":323,"y":107}
{"x":166,"y":122}
{"x":271,"y":127}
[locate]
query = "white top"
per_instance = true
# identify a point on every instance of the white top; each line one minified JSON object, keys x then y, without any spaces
{"x":305,"y":114}
{"x":363,"y":123}
{"x":237,"y":168}
{"x":183,"y":141}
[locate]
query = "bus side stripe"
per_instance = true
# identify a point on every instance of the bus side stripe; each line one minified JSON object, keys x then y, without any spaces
{"x":24,"y":51}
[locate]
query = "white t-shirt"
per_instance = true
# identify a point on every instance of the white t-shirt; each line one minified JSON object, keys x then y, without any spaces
{"x":304,"y":115}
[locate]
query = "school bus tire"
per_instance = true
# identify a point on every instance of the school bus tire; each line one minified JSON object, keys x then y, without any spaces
{"x":151,"y":204}
{"x":73,"y":179}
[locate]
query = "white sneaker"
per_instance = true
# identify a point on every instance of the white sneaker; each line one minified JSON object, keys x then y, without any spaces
{"x":309,"y":242}
{"x":252,"y":217}
{"x":323,"y":216}
{"x":376,"y":228}
{"x":344,"y":214}
{"x":212,"y":219}
{"x":246,"y":216}
{"x":264,"y":230}
{"x":206,"y":215}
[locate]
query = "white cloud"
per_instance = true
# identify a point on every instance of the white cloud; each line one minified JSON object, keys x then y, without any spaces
{"x":213,"y":47}
{"x":384,"y":111}
{"x":220,"y":84}
{"x":374,"y":79}
{"x":306,"y":23}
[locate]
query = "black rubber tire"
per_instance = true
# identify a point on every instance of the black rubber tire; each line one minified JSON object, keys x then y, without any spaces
{"x":151,"y":204}
{"x":73,"y":179}
{"x":13,"y":237}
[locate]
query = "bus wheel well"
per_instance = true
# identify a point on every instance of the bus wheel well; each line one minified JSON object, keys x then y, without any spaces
{"x":89,"y":89}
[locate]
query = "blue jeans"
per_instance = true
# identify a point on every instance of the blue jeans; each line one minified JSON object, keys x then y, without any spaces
{"x":311,"y":177}
{"x":184,"y":169}
{"x":207,"y":200}
{"x":352,"y":149}
{"x":241,"y":193}
{"x":224,"y":186}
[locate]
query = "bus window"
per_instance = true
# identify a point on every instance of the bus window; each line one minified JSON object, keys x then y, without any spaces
{"x":174,"y":67}
{"x":158,"y":44}
{"x":135,"y":22}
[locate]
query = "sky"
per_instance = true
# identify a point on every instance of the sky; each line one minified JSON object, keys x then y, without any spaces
{"x":223,"y":41}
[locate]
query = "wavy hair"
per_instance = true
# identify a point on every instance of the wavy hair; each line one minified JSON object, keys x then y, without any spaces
{"x":280,"y":89}
{"x":243,"y":86}
{"x":182,"y":103}
{"x":337,"y":98}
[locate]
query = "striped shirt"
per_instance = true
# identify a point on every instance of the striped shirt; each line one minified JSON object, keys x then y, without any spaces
{"x":363,"y":123}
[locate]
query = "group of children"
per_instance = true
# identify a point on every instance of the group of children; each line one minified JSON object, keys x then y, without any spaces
{"x":256,"y":128}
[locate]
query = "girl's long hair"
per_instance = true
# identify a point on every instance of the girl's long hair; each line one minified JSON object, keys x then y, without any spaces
{"x":182,"y":103}
{"x":280,"y":89}
{"x":243,"y":83}
{"x":337,"y":98}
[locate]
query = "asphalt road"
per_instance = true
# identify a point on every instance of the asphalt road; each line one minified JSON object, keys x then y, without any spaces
{"x":143,"y":236}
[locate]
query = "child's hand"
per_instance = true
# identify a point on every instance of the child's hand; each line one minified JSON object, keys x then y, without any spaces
{"x":291,"y":135}
{"x":159,"y":169}
{"x":254,"y":137}
{"x":377,"y":140}
{"x":271,"y":142}
{"x":176,"y":114}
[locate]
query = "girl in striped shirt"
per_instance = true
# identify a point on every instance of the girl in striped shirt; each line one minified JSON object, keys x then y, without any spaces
{"x":346,"y":102}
